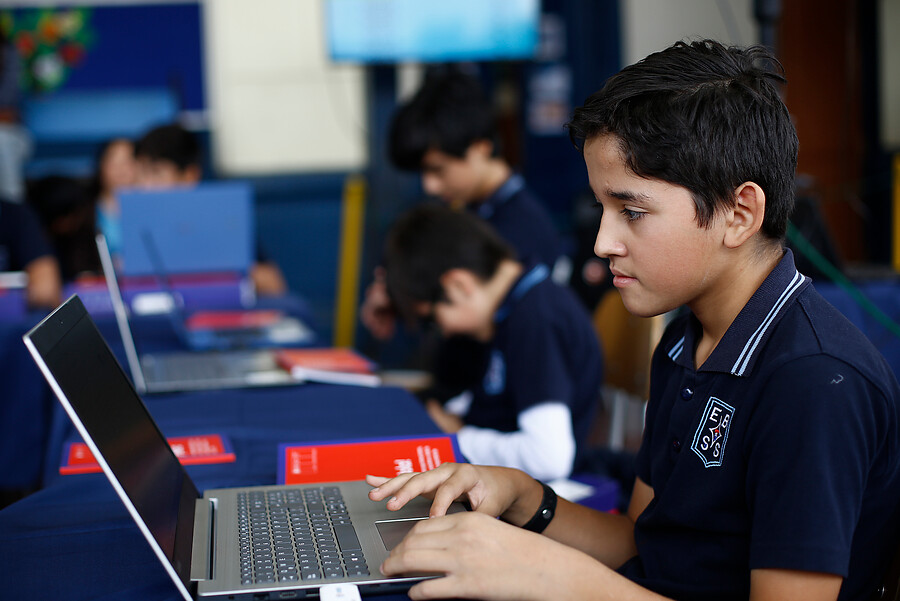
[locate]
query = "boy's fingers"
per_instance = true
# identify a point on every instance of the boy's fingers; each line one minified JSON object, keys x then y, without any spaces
{"x":386,"y":487}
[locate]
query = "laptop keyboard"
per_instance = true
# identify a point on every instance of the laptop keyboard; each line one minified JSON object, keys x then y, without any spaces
{"x":190,"y":368}
{"x":297,"y":534}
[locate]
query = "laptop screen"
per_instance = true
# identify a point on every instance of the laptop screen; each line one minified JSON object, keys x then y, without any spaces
{"x":114,"y":421}
{"x":206,"y":228}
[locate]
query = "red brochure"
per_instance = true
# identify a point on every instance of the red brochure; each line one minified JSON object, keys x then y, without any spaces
{"x":326,"y":358}
{"x":232,"y":320}
{"x":190,"y":450}
{"x":333,"y":365}
{"x":336,"y":461}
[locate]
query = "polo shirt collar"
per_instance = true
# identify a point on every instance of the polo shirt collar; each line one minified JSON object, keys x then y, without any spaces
{"x":506,"y":191}
{"x":738,"y":350}
{"x":530,"y":278}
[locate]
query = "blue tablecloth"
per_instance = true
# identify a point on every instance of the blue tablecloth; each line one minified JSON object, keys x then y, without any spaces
{"x":26,"y":409}
{"x":74,"y":539}
{"x":32,"y":423}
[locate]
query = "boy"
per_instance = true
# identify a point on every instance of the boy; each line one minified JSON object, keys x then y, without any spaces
{"x":24,"y":247}
{"x":533,"y":403}
{"x":769,"y":467}
{"x":169,"y":156}
{"x":446,"y":133}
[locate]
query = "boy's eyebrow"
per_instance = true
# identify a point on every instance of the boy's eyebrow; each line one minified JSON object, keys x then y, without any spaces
{"x":627,"y":195}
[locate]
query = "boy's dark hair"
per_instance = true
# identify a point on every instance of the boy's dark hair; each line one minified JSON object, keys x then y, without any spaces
{"x":171,"y":143}
{"x":705,"y":117}
{"x":448,"y":113}
{"x":428,"y":241}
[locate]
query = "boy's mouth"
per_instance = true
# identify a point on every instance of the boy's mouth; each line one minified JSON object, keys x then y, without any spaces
{"x":620,"y":279}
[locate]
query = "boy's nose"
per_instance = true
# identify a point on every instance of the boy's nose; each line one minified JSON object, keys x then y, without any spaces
{"x":431,"y":185}
{"x":607,"y":243}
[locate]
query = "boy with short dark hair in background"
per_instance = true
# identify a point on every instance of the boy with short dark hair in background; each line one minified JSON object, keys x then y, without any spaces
{"x":533,"y":404}
{"x":169,"y":155}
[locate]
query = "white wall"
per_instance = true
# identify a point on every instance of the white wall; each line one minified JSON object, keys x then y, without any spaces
{"x":276,"y":103}
{"x":651,"y":25}
{"x":889,"y":25}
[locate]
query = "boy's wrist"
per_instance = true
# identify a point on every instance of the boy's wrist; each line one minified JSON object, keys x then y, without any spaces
{"x":527,"y":502}
{"x":545,"y":512}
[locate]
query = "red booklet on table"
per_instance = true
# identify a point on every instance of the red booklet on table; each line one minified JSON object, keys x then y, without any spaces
{"x":333,"y":365}
{"x":190,"y":450}
{"x":233,"y":320}
{"x":336,"y":461}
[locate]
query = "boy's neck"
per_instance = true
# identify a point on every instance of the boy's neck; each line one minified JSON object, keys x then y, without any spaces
{"x":717,"y":311}
{"x":497,"y":288}
{"x":495,"y":175}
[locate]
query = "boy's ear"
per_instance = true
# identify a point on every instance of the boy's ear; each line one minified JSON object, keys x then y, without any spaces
{"x":483,"y":148}
{"x":746,"y":217}
{"x":458,"y":284}
{"x":191,"y":174}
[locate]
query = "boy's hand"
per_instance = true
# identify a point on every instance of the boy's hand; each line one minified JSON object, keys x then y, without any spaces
{"x":447,"y":422}
{"x":496,"y":491}
{"x":377,"y":312}
{"x":480,"y":557}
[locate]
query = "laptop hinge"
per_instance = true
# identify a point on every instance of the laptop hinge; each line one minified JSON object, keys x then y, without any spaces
{"x":204,"y":544}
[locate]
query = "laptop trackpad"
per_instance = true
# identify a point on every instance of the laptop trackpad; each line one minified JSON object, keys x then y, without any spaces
{"x":393,"y":531}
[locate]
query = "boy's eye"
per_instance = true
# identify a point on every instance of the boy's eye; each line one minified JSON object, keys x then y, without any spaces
{"x":631,"y":215}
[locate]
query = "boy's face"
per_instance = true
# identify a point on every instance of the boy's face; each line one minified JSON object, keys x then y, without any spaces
{"x":464,"y":310}
{"x":160,"y":174}
{"x":659,"y":256}
{"x":457,"y":181}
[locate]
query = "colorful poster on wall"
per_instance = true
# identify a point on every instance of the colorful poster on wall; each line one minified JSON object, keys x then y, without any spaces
{"x":127,"y":46}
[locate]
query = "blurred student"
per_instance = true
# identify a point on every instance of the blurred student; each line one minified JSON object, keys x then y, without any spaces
{"x":24,"y":247}
{"x":115,"y":170}
{"x":447,"y":133}
{"x":169,"y":156}
{"x":533,"y":403}
{"x":15,"y":140}
{"x":67,"y":210}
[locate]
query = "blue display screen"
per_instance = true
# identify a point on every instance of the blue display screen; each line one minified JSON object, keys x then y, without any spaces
{"x":389,"y":31}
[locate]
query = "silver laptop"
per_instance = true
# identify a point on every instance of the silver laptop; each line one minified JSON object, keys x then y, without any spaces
{"x":189,"y":370}
{"x":281,"y":331}
{"x":273,"y":542}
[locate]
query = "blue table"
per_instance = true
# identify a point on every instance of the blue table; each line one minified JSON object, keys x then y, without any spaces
{"x":74,"y":539}
{"x":26,"y":408}
{"x":31,"y":421}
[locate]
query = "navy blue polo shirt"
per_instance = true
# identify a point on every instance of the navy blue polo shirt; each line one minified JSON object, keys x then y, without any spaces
{"x":544,"y":349}
{"x":780,"y":451}
{"x":520,"y":218}
{"x":22,"y":239}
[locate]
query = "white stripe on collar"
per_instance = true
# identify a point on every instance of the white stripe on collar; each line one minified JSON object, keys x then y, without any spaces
{"x":676,"y":350}
{"x":753,"y":342}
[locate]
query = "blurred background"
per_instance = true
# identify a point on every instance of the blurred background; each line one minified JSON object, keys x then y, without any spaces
{"x":295,"y":96}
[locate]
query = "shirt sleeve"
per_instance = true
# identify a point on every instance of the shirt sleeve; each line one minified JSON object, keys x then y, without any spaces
{"x":810,"y":449}
{"x":537,"y":369}
{"x":543,"y":446}
{"x":29,"y":241}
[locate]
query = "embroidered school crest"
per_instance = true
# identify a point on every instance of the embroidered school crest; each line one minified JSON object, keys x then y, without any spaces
{"x":495,"y":377}
{"x":712,"y":433}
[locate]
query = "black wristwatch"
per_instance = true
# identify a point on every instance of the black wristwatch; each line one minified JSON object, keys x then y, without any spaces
{"x":544,"y":513}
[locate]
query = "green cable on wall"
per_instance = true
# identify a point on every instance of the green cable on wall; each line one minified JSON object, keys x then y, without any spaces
{"x":834,"y":274}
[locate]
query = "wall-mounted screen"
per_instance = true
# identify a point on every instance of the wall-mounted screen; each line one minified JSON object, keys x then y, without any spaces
{"x":391,"y":31}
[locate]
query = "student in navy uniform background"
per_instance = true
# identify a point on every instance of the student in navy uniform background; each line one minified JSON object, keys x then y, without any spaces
{"x":24,"y":247}
{"x":534,"y":400}
{"x":447,"y":133}
{"x":169,"y":155}
{"x":770,"y":463}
